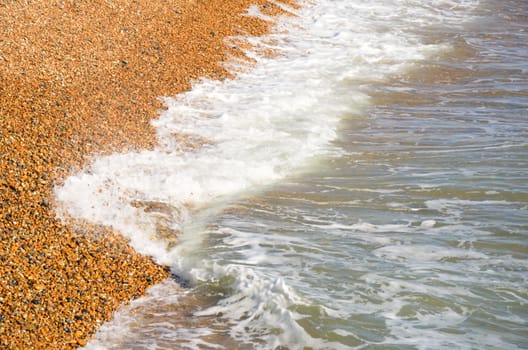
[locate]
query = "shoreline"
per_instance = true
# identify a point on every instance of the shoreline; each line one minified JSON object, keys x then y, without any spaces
{"x":79,"y":80}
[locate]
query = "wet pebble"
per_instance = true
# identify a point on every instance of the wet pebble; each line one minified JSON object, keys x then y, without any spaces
{"x":70,"y":87}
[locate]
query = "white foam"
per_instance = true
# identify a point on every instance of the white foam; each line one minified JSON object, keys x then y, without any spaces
{"x":260,"y":127}
{"x":426,"y":253}
{"x":428,"y":224}
{"x":260,"y":130}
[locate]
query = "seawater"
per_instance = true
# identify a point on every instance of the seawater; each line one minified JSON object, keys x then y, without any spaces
{"x":367,"y":188}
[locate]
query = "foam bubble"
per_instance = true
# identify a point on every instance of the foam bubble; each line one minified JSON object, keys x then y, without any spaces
{"x":251,"y":131}
{"x":426,"y":253}
{"x":428,"y":224}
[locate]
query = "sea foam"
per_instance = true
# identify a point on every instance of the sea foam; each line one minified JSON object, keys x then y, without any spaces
{"x":269,"y":123}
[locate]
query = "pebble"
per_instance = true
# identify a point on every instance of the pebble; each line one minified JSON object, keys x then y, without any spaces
{"x":79,"y":78}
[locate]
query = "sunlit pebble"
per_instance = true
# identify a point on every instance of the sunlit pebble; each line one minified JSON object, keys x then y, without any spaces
{"x":63,"y":97}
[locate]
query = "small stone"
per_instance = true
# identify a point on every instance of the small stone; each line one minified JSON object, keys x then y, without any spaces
{"x":71,"y":87}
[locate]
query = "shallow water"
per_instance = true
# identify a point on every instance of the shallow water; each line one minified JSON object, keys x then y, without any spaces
{"x":366,"y":189}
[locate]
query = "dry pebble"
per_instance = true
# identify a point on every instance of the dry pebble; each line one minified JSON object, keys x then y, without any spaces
{"x":79,"y":78}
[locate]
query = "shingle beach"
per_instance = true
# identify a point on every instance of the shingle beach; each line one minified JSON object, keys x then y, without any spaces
{"x":77,"y":79}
